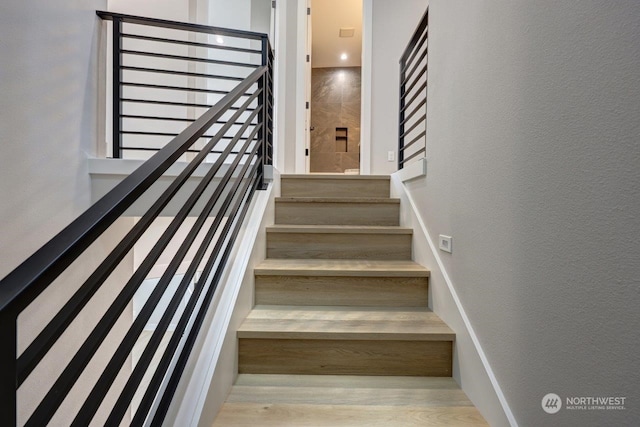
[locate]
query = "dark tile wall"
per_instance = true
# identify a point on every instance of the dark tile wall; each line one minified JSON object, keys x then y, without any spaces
{"x":335,"y":102}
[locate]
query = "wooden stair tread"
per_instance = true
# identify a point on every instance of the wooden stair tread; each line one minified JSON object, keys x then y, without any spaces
{"x":340,"y":229}
{"x":381,"y":200}
{"x":340,"y":267}
{"x":336,"y":176}
{"x":346,"y":381}
{"x":347,"y":390}
{"x":283,"y":415}
{"x":344,"y":400}
{"x":337,"y":323}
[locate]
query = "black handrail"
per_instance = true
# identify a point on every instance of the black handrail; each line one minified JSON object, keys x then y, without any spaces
{"x":413,"y":112}
{"x":243,"y":144}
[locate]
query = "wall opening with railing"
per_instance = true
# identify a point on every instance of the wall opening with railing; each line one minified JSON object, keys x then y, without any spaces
{"x":413,"y":96}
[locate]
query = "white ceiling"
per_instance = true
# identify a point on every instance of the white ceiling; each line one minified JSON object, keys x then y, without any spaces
{"x":328,"y":16}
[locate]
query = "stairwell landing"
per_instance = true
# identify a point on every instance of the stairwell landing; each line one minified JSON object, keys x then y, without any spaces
{"x":341,"y":333}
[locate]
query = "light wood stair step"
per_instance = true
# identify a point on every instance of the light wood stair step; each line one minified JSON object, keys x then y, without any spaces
{"x":344,"y":341}
{"x":340,"y":267}
{"x":337,"y":211}
{"x":338,"y":323}
{"x":341,"y":283}
{"x":334,"y":185}
{"x":302,"y":400}
{"x":348,"y":390}
{"x":339,"y":242}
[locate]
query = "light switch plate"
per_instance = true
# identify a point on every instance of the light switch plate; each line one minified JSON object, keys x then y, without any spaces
{"x":391,"y":156}
{"x":444,"y":243}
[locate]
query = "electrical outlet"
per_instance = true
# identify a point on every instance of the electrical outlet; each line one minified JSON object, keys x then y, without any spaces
{"x":391,"y":156}
{"x":444,"y":242}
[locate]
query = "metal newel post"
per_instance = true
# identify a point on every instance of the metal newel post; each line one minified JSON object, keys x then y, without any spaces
{"x":270,"y":109}
{"x":263,"y":103}
{"x":8,"y":373}
{"x":402,"y":104}
{"x":117,"y":88}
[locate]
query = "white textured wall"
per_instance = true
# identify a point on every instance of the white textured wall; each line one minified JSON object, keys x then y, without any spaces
{"x":392,"y":25}
{"x":48,"y":115}
{"x":534,"y":169}
{"x":261,"y":16}
{"x":174,"y":10}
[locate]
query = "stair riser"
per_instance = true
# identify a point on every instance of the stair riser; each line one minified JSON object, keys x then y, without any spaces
{"x":300,"y":213}
{"x":342,"y":291}
{"x":345,"y":357}
{"x":338,"y":246}
{"x":322,"y":187}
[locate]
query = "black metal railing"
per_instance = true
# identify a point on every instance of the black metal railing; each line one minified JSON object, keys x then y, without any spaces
{"x":165,"y":79}
{"x":413,"y":95}
{"x":230,"y":143}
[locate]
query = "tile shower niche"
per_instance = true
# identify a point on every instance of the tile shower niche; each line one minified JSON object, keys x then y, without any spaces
{"x":342,"y":140}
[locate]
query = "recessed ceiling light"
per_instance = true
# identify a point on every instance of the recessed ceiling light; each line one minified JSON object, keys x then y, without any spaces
{"x":344,"y":56}
{"x":219,"y":40}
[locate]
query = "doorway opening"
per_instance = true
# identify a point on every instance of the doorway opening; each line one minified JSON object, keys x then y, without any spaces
{"x":335,"y":86}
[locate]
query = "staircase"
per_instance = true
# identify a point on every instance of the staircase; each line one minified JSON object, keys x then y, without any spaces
{"x":341,"y":334}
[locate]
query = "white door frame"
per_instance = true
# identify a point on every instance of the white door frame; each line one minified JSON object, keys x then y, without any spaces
{"x":308,"y":71}
{"x":365,"y":100}
{"x":302,"y":74}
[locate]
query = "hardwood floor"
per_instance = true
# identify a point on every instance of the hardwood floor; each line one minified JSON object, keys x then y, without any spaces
{"x":341,"y":334}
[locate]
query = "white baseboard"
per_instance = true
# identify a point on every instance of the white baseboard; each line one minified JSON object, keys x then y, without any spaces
{"x":472,"y":369}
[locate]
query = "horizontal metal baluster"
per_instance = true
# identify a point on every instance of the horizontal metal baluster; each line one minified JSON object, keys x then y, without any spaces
{"x":72,"y":372}
{"x":175,"y":119}
{"x":413,"y":141}
{"x":181,"y":73}
{"x":415,"y":95}
{"x":416,"y":49}
{"x":177,"y":104}
{"x":190,"y":43}
{"x":413,"y":126}
{"x":178,"y":88}
{"x":187,"y":58}
{"x":132,"y":132}
{"x":422,"y":150}
{"x":93,"y":401}
{"x":423,"y":26}
{"x":163,"y":365}
{"x":136,"y":376}
{"x":417,"y":64}
{"x":423,"y":71}
{"x":54,"y":329}
{"x":415,"y":110}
